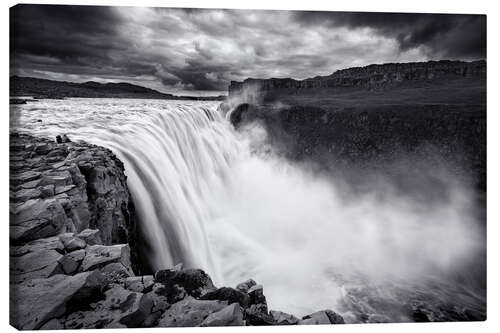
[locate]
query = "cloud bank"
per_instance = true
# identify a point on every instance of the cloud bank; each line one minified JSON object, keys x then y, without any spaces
{"x":202,"y":50}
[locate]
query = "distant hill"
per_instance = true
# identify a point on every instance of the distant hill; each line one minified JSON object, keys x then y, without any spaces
{"x":42,"y":88}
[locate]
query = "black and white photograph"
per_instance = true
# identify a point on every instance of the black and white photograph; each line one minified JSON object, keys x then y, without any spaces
{"x":199,"y":167}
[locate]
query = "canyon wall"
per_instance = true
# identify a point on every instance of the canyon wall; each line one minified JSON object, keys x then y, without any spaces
{"x":373,"y":77}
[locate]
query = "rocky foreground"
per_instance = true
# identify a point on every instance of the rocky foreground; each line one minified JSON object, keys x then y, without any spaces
{"x":73,"y":257}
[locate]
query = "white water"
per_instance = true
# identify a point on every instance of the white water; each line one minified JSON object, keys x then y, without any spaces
{"x":205,"y":198}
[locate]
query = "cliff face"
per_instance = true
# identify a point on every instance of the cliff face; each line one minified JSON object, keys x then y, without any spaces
{"x":430,"y":115}
{"x":81,"y":184}
{"x":373,"y":77}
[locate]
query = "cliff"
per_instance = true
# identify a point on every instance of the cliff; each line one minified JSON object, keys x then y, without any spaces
{"x":394,"y":83}
{"x":74,"y":260}
{"x":42,"y":88}
{"x":368,"y":120}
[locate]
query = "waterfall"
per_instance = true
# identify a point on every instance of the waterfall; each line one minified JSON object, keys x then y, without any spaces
{"x":174,"y":162}
{"x":175,"y":157}
{"x":205,"y":197}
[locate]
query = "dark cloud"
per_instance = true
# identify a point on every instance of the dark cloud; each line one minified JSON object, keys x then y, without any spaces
{"x":66,"y":32}
{"x":179,"y":50}
{"x":450,"y":35}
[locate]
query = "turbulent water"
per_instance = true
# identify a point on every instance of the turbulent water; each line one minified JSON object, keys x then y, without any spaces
{"x":220,"y":200}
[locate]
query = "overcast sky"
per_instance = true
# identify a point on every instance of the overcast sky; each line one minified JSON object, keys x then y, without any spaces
{"x":199,"y":51}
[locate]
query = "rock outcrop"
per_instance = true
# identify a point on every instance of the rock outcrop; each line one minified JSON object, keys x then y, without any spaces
{"x":67,"y":187}
{"x":72,"y":252}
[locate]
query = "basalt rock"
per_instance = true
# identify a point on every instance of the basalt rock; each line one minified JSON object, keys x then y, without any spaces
{"x":282,"y":318}
{"x":189,"y":312}
{"x":58,"y":262}
{"x":324,"y":317}
{"x":195,"y":281}
{"x":35,"y":302}
{"x":231,"y":315}
{"x":257,"y":315}
{"x":228,"y":294}
{"x":244,"y":286}
{"x":68,"y":187}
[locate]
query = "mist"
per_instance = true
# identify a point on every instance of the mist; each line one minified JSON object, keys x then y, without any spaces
{"x":306,"y":238}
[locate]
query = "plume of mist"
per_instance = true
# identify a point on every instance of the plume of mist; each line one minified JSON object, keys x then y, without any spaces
{"x":250,"y":93}
{"x":302,"y":236}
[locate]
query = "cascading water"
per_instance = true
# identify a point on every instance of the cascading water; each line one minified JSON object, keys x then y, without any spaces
{"x":176,"y":156}
{"x":206,"y":197}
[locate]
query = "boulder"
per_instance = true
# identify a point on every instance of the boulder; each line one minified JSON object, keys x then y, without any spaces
{"x":231,"y":315}
{"x":334,"y":317}
{"x":189,"y":312}
{"x":47,"y":191}
{"x":317,"y":318}
{"x":98,"y":256}
{"x":71,"y":242}
{"x":139,"y":283}
{"x":116,"y":272}
{"x":71,"y":261}
{"x":322,"y":318}
{"x":120,"y":308}
{"x":37,"y":218}
{"x":228,"y":294}
{"x":195,"y":281}
{"x":244,"y":286}
{"x":256,"y":315}
{"x":34,"y":265}
{"x":33,"y":303}
{"x":62,"y":139}
{"x":42,"y":244}
{"x":90,"y":236}
{"x":256,"y":295}
{"x":160,"y":303}
{"x":138,"y":315}
{"x":282,"y":318}
{"x":172,"y":292}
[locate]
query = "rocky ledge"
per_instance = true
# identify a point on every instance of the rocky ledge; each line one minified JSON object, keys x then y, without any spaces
{"x":73,"y":262}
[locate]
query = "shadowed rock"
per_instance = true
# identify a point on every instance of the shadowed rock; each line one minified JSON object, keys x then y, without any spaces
{"x":67,"y":187}
{"x":90,"y":236}
{"x":228,"y":294}
{"x":231,"y":315}
{"x":244,"y":286}
{"x":322,"y":318}
{"x":282,"y":318}
{"x":195,"y":281}
{"x":189,"y":312}
{"x":36,"y":301}
{"x":99,"y":255}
